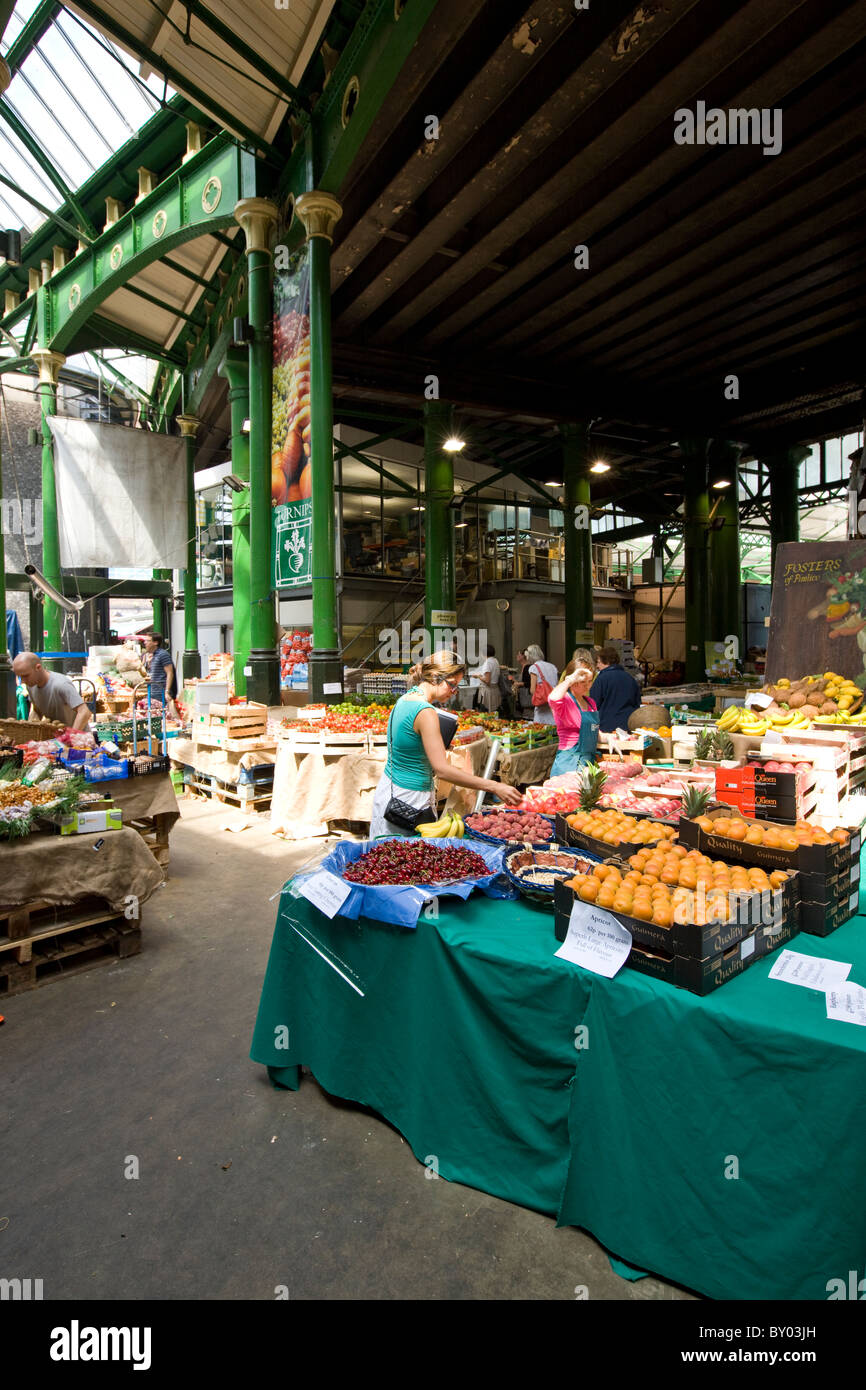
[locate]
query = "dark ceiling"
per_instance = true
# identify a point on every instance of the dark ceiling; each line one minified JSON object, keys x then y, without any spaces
{"x":455,"y":255}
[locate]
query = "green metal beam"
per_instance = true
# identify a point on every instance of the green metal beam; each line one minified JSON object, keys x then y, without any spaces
{"x":381,"y":469}
{"x":85,"y":229}
{"x":40,"y":207}
{"x":189,"y":274}
{"x":93,"y":585}
{"x":197,"y":94}
{"x":192,"y":202}
{"x":38,"y":23}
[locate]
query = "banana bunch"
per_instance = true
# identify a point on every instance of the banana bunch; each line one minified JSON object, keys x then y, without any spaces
{"x":449,"y":824}
{"x":737,"y":720}
{"x":840,"y":717}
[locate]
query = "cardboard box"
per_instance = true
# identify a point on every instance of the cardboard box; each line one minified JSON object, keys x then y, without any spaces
{"x":820,"y":919}
{"x":689,"y":940}
{"x":699,"y":975}
{"x":819,"y":859}
{"x":88,"y":822}
{"x":566,"y":835}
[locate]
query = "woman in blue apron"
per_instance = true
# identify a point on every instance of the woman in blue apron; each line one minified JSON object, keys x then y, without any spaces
{"x":576,"y":716}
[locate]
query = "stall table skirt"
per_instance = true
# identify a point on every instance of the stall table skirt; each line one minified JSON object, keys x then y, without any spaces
{"x":718,"y":1142}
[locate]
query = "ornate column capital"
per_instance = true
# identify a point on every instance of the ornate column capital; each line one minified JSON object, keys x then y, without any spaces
{"x":258,"y":217}
{"x":320,"y":212}
{"x":188,"y":425}
{"x":49,"y":364}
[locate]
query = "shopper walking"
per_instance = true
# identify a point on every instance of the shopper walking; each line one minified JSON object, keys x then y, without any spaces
{"x":416,"y":750}
{"x":489,"y":693}
{"x":616,"y":693}
{"x":576,"y":717}
{"x":542,"y":674}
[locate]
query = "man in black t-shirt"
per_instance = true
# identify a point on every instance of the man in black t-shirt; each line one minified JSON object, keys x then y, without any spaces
{"x":616,"y":693}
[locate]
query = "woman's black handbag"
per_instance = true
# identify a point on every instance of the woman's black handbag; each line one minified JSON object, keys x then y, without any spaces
{"x":399,"y":812}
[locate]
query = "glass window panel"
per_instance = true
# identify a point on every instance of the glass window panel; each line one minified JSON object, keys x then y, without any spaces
{"x":813,"y":467}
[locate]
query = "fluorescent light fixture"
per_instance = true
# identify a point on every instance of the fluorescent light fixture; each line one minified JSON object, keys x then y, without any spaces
{"x":246,"y":427}
{"x":721,"y":483}
{"x":600,"y":467}
{"x":453,"y":445}
{"x":417,"y":509}
{"x":459,"y":524}
{"x":555,"y":483}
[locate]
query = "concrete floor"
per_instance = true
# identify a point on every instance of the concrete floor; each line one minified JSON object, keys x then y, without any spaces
{"x":241,"y":1188}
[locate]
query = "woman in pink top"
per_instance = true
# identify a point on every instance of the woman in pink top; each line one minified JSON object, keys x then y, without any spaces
{"x":576,"y":717}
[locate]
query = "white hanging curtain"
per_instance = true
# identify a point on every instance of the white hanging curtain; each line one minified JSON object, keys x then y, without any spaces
{"x":121,"y":496}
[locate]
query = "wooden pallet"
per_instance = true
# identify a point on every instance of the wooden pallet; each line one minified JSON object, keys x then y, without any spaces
{"x":44,"y":941}
{"x":229,"y":793}
{"x":155,"y":830}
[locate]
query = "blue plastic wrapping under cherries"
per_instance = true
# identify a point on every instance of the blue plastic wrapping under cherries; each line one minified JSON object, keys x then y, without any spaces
{"x":399,"y":903}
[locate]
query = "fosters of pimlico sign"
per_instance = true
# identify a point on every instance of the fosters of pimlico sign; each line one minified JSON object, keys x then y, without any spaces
{"x":736,"y":126}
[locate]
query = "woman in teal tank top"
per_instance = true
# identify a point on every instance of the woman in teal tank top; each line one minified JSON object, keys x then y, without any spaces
{"x":416,"y":752}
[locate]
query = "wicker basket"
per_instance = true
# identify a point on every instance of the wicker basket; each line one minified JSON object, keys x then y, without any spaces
{"x":497,"y":839}
{"x":521,"y":864}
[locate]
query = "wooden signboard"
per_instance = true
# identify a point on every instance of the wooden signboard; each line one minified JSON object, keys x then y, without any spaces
{"x":818,"y":611}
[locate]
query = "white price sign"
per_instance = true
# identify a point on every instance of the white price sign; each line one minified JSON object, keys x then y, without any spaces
{"x":758,"y":701}
{"x":595,"y":940}
{"x":325,"y":891}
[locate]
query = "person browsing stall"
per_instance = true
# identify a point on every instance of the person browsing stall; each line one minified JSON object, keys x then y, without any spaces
{"x":52,"y":695}
{"x":615,"y":692}
{"x":489,"y":693}
{"x":540,"y":671}
{"x":160,"y":671}
{"x":417,"y":753}
{"x":576,"y":717}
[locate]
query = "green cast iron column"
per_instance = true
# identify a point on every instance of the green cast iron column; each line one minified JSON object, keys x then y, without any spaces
{"x":440,"y":588}
{"x":235,"y":369}
{"x":784,"y":477}
{"x":7,"y":678}
{"x":726,"y":595}
{"x":191,"y":656}
{"x":161,"y":620}
{"x":49,"y":364}
{"x":258,"y":217}
{"x":695,"y":543}
{"x":320,"y":213}
{"x":577,"y":535}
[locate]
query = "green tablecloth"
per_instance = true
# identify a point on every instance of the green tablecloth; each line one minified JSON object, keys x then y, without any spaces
{"x":462,"y":1034}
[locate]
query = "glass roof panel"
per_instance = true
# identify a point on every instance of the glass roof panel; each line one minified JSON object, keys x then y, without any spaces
{"x":80,"y":97}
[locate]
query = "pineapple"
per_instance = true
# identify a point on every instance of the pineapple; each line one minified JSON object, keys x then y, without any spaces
{"x":723,"y":745}
{"x":695,"y":802}
{"x":704,"y":744}
{"x":592,"y":781}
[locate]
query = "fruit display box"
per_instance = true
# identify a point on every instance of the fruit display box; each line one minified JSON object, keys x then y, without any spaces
{"x":820,"y":919}
{"x":817,"y":859}
{"x":702,"y":975}
{"x":567,"y":835}
{"x":691,"y":940}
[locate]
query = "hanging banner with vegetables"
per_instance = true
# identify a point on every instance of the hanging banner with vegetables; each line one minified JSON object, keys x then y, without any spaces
{"x":291,"y":488}
{"x":818,"y":611}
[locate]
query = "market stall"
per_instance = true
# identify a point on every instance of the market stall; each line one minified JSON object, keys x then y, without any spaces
{"x":463,"y":1034}
{"x":327,"y":781}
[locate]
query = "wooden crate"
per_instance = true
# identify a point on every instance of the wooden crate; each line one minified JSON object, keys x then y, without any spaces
{"x":41,"y":941}
{"x":155,"y":830}
{"x":239,"y":721}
